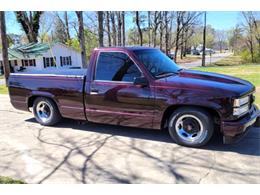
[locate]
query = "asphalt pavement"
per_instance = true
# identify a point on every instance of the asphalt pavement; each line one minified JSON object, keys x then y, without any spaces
{"x":74,"y":152}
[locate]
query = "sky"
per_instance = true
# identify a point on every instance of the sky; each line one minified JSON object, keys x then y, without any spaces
{"x":218,"y":19}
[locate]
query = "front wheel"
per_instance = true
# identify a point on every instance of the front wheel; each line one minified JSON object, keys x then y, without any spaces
{"x":46,"y":111}
{"x":191,"y":126}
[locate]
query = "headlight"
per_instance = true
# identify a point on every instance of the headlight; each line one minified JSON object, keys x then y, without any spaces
{"x":241,"y":101}
{"x":241,"y":110}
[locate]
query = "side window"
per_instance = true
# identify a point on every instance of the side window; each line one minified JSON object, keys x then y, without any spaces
{"x":116,"y":66}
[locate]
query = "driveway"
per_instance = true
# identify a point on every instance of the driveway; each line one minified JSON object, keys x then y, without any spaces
{"x":74,"y":152}
{"x":214,"y":58}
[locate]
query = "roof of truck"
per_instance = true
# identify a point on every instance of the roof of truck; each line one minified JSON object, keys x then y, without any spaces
{"x":132,"y":48}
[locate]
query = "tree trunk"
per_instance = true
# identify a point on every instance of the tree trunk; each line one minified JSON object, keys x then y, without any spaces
{"x":166,"y":32}
{"x":149,"y":28}
{"x":82,"y":38}
{"x":123,"y":27}
{"x":108,"y":28}
{"x":112,"y":15}
{"x":67,"y":25}
{"x":161,"y":31}
{"x":139,"y":28}
{"x":4,"y":47}
{"x":119,"y":23}
{"x":182,"y":46}
{"x":100,"y":29}
{"x":177,"y":36}
{"x":185,"y":43}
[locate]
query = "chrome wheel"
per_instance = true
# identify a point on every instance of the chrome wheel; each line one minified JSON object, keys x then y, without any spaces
{"x":190,"y":129}
{"x":44,"y":111}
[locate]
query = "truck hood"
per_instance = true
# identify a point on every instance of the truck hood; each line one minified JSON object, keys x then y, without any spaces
{"x":222,"y":85}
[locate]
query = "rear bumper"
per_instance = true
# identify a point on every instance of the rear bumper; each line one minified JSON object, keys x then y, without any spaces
{"x":233,"y":131}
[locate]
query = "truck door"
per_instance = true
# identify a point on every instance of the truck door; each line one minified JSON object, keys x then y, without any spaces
{"x":113,"y":98}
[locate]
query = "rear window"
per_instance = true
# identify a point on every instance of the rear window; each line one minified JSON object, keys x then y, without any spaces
{"x":116,"y":66}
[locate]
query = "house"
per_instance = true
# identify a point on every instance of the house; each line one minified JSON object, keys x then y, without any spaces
{"x":42,"y":56}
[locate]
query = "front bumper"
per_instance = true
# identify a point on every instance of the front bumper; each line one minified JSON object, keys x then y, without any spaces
{"x":233,"y":131}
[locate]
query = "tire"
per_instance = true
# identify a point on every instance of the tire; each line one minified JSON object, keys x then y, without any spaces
{"x":190,"y":126}
{"x":46,"y":111}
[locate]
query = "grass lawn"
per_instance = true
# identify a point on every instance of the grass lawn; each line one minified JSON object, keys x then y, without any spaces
{"x":247,"y":71}
{"x":8,"y":180}
{"x":1,"y":76}
{"x":188,"y":58}
{"x":3,"y":89}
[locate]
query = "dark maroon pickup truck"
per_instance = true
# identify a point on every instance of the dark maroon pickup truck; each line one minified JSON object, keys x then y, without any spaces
{"x":141,"y":87}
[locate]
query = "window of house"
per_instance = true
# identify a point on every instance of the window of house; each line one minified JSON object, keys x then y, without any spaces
{"x":65,"y":61}
{"x":15,"y":62}
{"x":26,"y":63}
{"x":116,"y":66}
{"x":31,"y":62}
{"x":49,"y":62}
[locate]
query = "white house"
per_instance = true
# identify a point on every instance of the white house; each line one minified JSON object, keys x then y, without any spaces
{"x":43,"y":56}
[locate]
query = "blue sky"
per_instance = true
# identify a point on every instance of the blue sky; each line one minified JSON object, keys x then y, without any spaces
{"x":219,"y":20}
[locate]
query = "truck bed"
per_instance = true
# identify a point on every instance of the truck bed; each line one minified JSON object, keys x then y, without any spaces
{"x":65,"y":87}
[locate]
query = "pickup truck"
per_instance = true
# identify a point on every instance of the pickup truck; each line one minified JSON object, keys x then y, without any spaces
{"x":140,"y":87}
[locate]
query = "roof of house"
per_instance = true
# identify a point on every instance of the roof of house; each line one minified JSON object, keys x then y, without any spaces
{"x":30,"y":50}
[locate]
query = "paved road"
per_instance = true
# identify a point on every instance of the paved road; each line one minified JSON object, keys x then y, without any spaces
{"x":89,"y":153}
{"x":214,"y":58}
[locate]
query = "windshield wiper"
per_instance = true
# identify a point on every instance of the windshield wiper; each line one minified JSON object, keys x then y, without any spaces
{"x":164,"y":74}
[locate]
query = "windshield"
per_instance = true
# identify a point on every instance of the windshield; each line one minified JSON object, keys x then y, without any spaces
{"x":157,"y":63}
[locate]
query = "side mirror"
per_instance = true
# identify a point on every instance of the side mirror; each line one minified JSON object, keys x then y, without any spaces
{"x":141,"y":81}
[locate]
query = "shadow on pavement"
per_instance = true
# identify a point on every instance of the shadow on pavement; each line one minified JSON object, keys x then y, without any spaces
{"x":249,"y":145}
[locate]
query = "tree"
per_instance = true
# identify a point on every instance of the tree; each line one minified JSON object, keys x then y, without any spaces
{"x":167,"y":33}
{"x":4,"y":46}
{"x":112,"y":16}
{"x":149,"y":28}
{"x":59,"y":32}
{"x":67,"y":25}
{"x":123,"y":27}
{"x":119,"y":28}
{"x":156,"y":22}
{"x":137,"y":20}
{"x":220,"y":39}
{"x":100,"y":29}
{"x":81,"y":38}
{"x":108,"y":28}
{"x":235,"y":39}
{"x":249,"y":27}
{"x":30,"y":24}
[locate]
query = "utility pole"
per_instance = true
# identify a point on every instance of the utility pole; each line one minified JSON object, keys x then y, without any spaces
{"x":4,"y":47}
{"x":204,"y":39}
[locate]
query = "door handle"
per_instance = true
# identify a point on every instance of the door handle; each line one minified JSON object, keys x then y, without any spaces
{"x":94,"y":91}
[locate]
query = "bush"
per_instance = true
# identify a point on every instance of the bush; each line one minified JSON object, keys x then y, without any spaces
{"x":246,"y":56}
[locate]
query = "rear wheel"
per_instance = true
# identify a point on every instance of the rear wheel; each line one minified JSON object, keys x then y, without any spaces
{"x":46,"y":111}
{"x":191,"y":126}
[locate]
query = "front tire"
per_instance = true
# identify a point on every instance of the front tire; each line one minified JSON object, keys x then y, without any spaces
{"x":46,"y":112}
{"x":191,"y":126}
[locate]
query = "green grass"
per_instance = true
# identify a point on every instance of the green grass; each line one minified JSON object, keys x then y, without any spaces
{"x":3,"y":89}
{"x":8,"y":180}
{"x":1,"y":76}
{"x":231,"y":60}
{"x":247,"y":72}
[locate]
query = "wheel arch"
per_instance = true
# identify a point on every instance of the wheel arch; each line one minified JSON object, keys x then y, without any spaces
{"x":169,"y":110}
{"x":33,"y":97}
